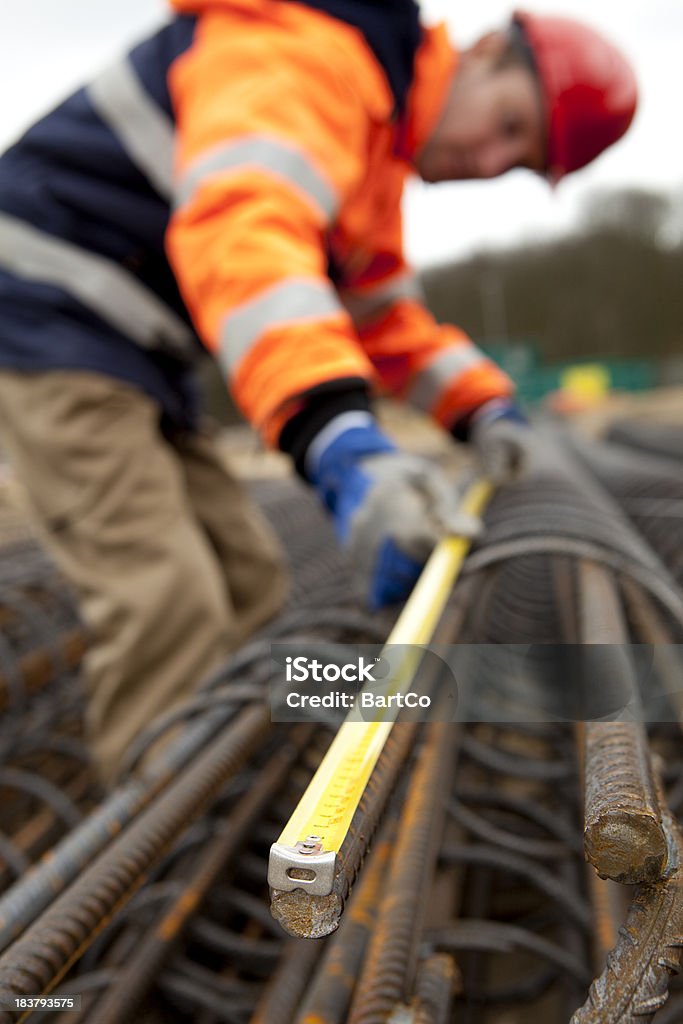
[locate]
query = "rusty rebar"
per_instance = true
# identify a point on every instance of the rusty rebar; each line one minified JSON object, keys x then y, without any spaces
{"x":388,"y":974}
{"x":631,"y":988}
{"x":634,"y":984}
{"x":36,"y":668}
{"x":650,"y":628}
{"x":328,"y":998}
{"x":606,"y":897}
{"x":624,"y":836}
{"x":438,"y":978}
{"x":37,"y":961}
{"x":120,"y":1003}
{"x":623,"y":833}
{"x":288,"y":983}
{"x":31,"y":895}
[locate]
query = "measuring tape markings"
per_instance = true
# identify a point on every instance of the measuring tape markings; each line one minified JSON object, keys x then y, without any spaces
{"x":323,"y":815}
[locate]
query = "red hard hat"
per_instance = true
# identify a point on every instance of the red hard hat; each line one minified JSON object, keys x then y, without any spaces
{"x":588,"y":86}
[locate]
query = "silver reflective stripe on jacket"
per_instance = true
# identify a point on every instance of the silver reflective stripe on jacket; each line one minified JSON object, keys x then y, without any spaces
{"x":429,"y":383}
{"x":144,"y":130}
{"x":284,"y":160}
{"x":366,"y":304}
{"x":293,"y":301}
{"x":101,"y":285}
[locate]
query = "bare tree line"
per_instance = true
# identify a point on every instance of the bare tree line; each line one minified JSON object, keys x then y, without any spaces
{"x":611,"y":288}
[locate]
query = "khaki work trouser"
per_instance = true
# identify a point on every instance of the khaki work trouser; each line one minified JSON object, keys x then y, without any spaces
{"x":173,"y":564}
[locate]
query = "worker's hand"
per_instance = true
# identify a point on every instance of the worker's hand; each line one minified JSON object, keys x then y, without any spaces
{"x":505,"y":442}
{"x":390,"y":508}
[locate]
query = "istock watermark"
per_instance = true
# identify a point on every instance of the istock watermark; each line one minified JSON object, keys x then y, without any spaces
{"x":301,"y":669}
{"x":370,"y":682}
{"x":515,"y":683}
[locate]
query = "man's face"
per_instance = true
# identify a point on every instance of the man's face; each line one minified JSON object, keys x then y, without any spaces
{"x":492,"y":120}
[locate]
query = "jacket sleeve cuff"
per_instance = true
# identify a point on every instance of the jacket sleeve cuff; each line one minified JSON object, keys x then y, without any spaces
{"x":493,"y":409}
{"x":321,"y":405}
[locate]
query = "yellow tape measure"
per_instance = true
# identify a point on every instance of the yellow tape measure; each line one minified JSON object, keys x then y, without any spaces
{"x":305,"y":853}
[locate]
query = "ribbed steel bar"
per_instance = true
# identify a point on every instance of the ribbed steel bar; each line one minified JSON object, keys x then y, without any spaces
{"x":328,"y":998}
{"x":437,"y":980}
{"x":36,"y":667}
{"x":136,"y":977}
{"x":21,"y":904}
{"x":264,"y":977}
{"x":650,"y":628}
{"x":607,"y":918}
{"x":562,"y":510}
{"x":649,"y":490}
{"x":36,"y":835}
{"x":634,"y":984}
{"x":288,"y":983}
{"x":388,"y":974}
{"x":36,"y":962}
{"x":624,"y":836}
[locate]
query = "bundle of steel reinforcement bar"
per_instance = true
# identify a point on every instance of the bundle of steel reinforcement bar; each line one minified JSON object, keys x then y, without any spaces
{"x":475,"y":901}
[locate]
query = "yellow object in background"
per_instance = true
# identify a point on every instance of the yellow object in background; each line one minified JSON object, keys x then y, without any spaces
{"x":582,"y":387}
{"x":588,"y":383}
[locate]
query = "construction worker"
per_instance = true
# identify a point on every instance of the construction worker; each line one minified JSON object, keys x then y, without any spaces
{"x":235,"y":183}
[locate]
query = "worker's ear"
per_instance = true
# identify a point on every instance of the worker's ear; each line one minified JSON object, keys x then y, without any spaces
{"x":489,"y":47}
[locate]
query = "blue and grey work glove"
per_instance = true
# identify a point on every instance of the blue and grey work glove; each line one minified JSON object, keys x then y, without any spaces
{"x":389,"y":508}
{"x":504,"y":441}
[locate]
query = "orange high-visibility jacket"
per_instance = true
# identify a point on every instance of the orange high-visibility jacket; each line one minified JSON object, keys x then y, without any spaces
{"x":286,"y":234}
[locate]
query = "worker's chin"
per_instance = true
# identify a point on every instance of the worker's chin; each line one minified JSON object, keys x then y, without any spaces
{"x":444,"y":170}
{"x":423,"y":168}
{"x":433,"y":175}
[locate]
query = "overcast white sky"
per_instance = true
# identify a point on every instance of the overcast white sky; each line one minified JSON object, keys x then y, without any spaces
{"x":48,"y":47}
